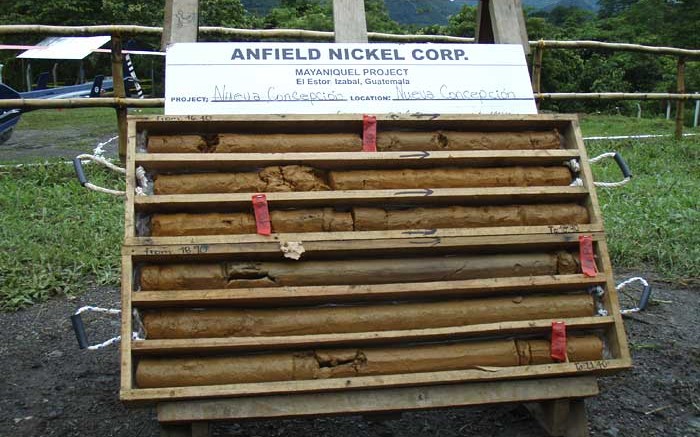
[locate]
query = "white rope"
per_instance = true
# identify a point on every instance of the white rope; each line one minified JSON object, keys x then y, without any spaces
{"x":97,"y":310}
{"x":578,"y":182}
{"x":142,"y":181}
{"x":598,"y":291}
{"x":608,"y":184}
{"x":140,"y":177}
{"x":601,"y":156}
{"x":632,"y":137}
{"x":99,"y":148}
{"x":623,"y":284}
{"x":99,"y":189}
{"x":111,"y":341}
{"x":102,"y":161}
{"x":612,"y":184}
{"x":573,"y":165}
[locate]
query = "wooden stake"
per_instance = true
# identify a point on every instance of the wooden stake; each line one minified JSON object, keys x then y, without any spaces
{"x":501,"y":22}
{"x":680,"y":104}
{"x":349,"y":21}
{"x":537,"y":69}
{"x":180,"y":23}
{"x":119,"y":92}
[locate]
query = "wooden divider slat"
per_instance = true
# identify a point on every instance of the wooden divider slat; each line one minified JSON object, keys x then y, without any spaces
{"x":352,"y":160}
{"x":601,"y":367}
{"x":307,"y":237}
{"x":239,"y":344}
{"x":407,"y":246}
{"x":280,"y":296}
{"x":419,"y":197}
{"x":373,"y":400}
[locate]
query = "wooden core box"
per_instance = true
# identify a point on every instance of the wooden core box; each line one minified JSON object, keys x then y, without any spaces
{"x":439,"y":260}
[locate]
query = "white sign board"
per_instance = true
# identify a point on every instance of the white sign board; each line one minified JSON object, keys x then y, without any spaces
{"x":60,"y":47}
{"x":322,"y":78}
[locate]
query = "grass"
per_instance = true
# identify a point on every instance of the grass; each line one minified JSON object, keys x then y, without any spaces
{"x":58,"y":238}
{"x":653,"y":221}
{"x":614,"y":125}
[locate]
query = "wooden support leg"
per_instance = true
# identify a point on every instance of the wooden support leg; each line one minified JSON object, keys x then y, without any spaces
{"x":561,"y":417}
{"x":194,"y":429}
{"x":578,"y":419}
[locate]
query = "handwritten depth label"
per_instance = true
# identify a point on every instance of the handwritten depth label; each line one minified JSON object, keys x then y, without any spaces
{"x":303,"y":78}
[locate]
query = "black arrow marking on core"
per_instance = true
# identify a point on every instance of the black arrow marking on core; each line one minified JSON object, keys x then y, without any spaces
{"x":424,"y":191}
{"x":419,"y":155}
{"x":424,"y":232}
{"x":434,"y":241}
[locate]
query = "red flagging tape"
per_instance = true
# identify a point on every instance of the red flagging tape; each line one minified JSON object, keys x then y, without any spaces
{"x":262,"y":215}
{"x":369,"y":133}
{"x":558,"y":348}
{"x":586,"y":255}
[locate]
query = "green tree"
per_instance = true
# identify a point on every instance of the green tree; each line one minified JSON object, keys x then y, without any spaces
{"x":301,"y":14}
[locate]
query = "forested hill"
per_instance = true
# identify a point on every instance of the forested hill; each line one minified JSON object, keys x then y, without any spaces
{"x":427,"y":12}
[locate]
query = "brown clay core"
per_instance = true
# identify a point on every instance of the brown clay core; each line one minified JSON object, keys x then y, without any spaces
{"x":214,"y":322}
{"x":223,"y":275}
{"x":369,"y":219}
{"x":323,"y":364}
{"x":387,"y":141}
{"x":302,"y":178}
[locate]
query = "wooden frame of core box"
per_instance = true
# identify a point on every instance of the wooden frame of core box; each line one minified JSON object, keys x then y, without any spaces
{"x":391,"y":392}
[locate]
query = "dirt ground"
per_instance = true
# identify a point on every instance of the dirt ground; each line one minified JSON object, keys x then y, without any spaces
{"x":27,"y":144}
{"x":48,"y":387}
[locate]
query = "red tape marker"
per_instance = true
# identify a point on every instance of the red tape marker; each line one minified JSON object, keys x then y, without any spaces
{"x":262,"y":215}
{"x":369,"y":133}
{"x":586,"y":255}
{"x":558,"y":345}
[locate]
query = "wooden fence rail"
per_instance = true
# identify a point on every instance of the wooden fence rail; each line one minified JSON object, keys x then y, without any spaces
{"x":119,"y":31}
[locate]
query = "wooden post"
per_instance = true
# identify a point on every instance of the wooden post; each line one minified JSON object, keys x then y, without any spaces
{"x":680,"y":105}
{"x":349,"y":21}
{"x":119,"y":92}
{"x":501,"y":22}
{"x":181,"y":22}
{"x":537,"y":70}
{"x":561,"y":417}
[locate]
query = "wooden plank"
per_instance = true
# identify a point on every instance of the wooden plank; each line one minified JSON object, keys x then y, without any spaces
{"x":129,"y":216}
{"x":349,"y":21}
{"x":186,"y":124}
{"x":484,"y":26}
{"x":377,"y":400}
{"x":119,"y":92}
{"x":501,"y":22}
{"x":352,"y":160}
{"x":508,"y":23}
{"x":246,"y":297}
{"x":239,"y":344}
{"x":680,"y":104}
{"x":426,"y":196}
{"x":367,"y":247}
{"x":601,"y":367}
{"x":553,"y":415}
{"x":207,"y":240}
{"x":126,"y":375}
{"x":616,"y":338}
{"x":577,"y":425}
